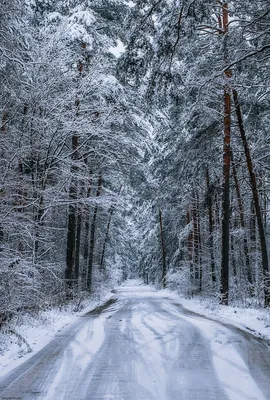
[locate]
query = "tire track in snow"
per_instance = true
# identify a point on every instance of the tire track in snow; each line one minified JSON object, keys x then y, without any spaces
{"x":242,"y":361}
{"x":142,"y":347}
{"x":31,"y":380}
{"x":113,"y":372}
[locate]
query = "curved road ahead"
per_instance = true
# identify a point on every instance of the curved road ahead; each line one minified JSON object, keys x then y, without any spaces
{"x":144,"y":346}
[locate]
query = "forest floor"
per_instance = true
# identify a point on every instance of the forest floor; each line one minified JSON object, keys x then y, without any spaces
{"x":156,"y":337}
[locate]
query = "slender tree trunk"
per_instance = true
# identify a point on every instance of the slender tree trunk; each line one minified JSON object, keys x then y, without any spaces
{"x":195,"y":239}
{"x":4,"y":121}
{"x":199,"y":243}
{"x":217,"y":210}
{"x":210,"y":224}
{"x":163,"y":251}
{"x":225,"y":256}
{"x":71,"y":265}
{"x":78,"y":269}
{"x":253,"y":236}
{"x":92,"y":238}
{"x":106,"y":237}
{"x":226,"y":205}
{"x":233,"y":226}
{"x":189,"y":238}
{"x":39,"y":224}
{"x":242,"y":220}
{"x":234,"y":270}
{"x":21,"y":191}
{"x":190,"y":247}
{"x":256,"y":201}
{"x":78,"y":243}
{"x":86,"y":239}
{"x":71,"y":237}
{"x":107,"y":234}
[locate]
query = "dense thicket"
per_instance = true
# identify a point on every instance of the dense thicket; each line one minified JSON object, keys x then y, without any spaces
{"x":154,"y":164}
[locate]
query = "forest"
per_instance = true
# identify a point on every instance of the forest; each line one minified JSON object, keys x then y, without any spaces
{"x":151,"y":161}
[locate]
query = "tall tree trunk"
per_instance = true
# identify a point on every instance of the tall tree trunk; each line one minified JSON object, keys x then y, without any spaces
{"x":195,"y":239}
{"x":4,"y":121}
{"x":78,"y":243}
{"x":163,"y":251}
{"x":233,"y":226}
{"x":86,"y":238}
{"x":233,"y":261}
{"x":71,"y":237}
{"x":210,"y":225}
{"x":256,"y":201}
{"x":78,"y":269}
{"x":199,"y":242}
{"x":224,"y":289}
{"x":190,"y":247}
{"x":71,"y":268}
{"x":189,"y":238}
{"x":38,"y":225}
{"x":253,"y":236}
{"x":21,"y":192}
{"x":106,"y":237}
{"x":92,"y":238}
{"x":107,"y":234}
{"x":242,"y":220}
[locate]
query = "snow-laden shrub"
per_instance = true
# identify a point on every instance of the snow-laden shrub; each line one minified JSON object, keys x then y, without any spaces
{"x":180,"y":280}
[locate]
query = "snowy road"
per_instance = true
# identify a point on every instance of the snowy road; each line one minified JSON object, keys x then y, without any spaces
{"x":144,"y":346}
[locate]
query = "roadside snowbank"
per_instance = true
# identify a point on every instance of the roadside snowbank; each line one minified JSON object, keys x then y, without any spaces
{"x":255,"y":321}
{"x":22,"y":340}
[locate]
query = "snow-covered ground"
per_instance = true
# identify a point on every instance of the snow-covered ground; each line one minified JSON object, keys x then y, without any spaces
{"x":255,"y":321}
{"x":36,"y":331}
{"x":146,"y":345}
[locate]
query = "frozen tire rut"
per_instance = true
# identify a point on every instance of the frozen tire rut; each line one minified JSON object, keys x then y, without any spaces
{"x":142,"y":346}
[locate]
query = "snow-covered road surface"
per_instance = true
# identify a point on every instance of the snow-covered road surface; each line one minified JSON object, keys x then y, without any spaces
{"x":143,"y":345}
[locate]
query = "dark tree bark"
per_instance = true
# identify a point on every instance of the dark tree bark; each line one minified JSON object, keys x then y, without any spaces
{"x":210,"y":225}
{"x":92,"y":238}
{"x":233,"y":226}
{"x":107,"y":234}
{"x":189,"y":238}
{"x":163,"y":251}
{"x":242,"y":220}
{"x":86,"y":237}
{"x":71,"y":237}
{"x":253,"y":182}
{"x":226,"y":203}
{"x":195,"y":239}
{"x":190,"y":247}
{"x":39,"y":224}
{"x":21,"y":192}
{"x":199,"y":242}
{"x":4,"y":121}
{"x":72,"y":217}
{"x":79,"y":210}
{"x":78,"y":243}
{"x":106,"y":237}
{"x":225,"y":252}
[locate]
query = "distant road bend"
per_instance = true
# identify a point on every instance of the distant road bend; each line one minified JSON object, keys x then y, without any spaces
{"x":144,"y":346}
